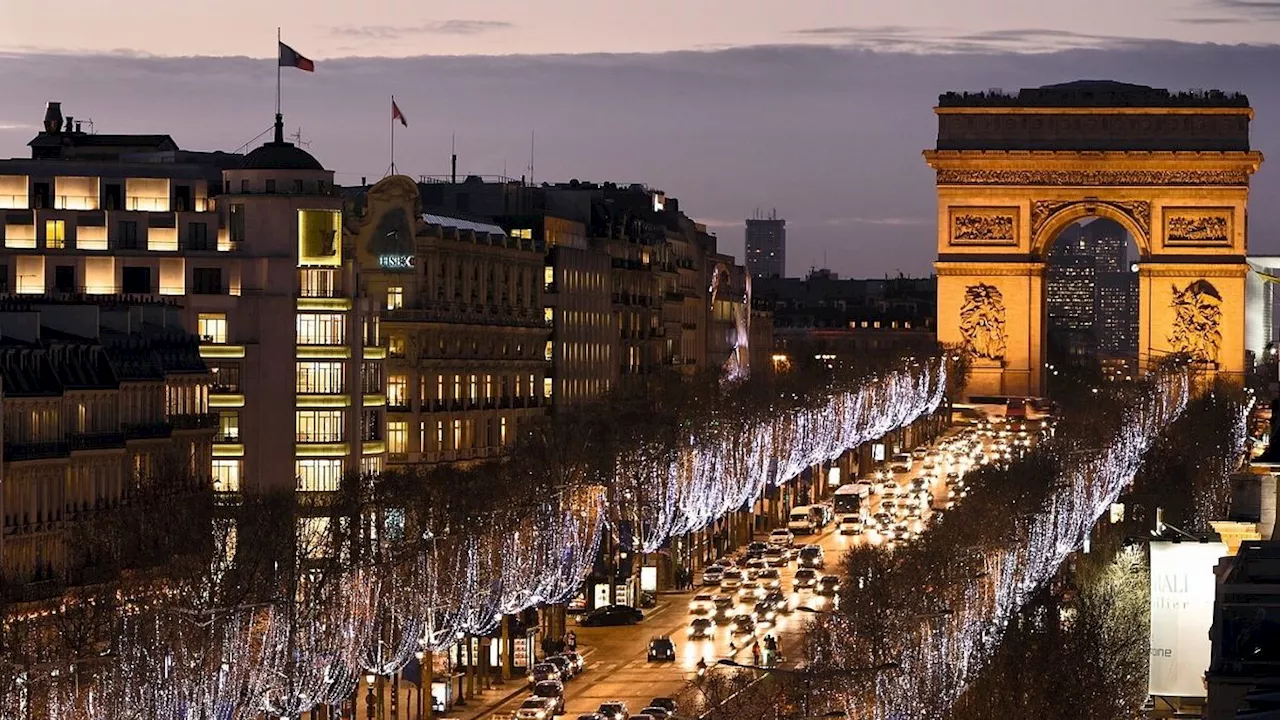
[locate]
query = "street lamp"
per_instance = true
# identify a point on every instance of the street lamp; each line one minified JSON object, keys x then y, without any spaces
{"x":370,"y":702}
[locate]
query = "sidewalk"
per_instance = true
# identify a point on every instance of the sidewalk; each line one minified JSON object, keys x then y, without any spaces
{"x":484,"y":704}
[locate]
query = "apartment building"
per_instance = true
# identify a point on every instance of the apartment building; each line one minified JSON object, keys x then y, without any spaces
{"x":246,"y":248}
{"x":98,"y":401}
{"x":466,"y":327}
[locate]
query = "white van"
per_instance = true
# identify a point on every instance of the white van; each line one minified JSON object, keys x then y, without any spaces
{"x":802,"y":520}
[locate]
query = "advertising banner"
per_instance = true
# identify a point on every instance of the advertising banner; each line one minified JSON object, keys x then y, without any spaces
{"x":1182,"y":593}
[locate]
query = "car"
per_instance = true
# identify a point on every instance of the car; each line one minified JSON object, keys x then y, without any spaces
{"x":751,"y":589}
{"x":742,"y":625}
{"x":723,"y":604}
{"x":702,"y":603}
{"x":770,"y":579}
{"x":851,"y":525}
{"x":757,"y":564}
{"x":591,"y":716}
{"x":614,"y":710}
{"x":782,"y":537}
{"x":764,"y":612}
{"x":544,"y":671}
{"x":538,"y":708}
{"x":662,"y":649}
{"x":756,"y":549}
{"x":553,"y":690}
{"x":612,"y":615}
{"x":566,"y":668}
{"x":643,"y":716}
{"x":712,"y":575}
{"x":811,"y":556}
{"x":666,"y":703}
{"x":863,"y":488}
{"x":805,"y":579}
{"x":828,"y":585}
{"x":890,"y":491}
{"x":732,"y":580}
{"x":775,"y":557}
{"x":780,"y":602}
{"x":702,"y":629}
{"x":657,"y":713}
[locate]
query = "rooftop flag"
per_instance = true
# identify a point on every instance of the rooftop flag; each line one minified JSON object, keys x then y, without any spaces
{"x":290,"y":58}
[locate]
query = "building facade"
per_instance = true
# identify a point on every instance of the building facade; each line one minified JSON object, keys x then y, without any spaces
{"x":766,"y":246}
{"x":1091,"y":293}
{"x":99,"y":402}
{"x":244,"y":246}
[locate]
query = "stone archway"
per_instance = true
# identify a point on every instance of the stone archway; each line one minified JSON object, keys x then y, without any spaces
{"x":1014,"y":170}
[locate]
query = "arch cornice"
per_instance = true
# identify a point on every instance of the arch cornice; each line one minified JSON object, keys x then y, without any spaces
{"x":1049,"y":218}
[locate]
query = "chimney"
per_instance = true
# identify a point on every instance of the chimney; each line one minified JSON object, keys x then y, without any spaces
{"x":53,"y":117}
{"x":77,"y":127}
{"x":70,"y":123}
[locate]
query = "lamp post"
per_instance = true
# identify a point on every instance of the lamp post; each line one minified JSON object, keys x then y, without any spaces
{"x":370,"y":702}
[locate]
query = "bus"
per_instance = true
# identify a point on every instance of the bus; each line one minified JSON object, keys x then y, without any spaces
{"x":847,"y":500}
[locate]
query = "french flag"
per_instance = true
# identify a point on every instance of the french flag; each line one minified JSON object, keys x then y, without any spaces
{"x":291,"y":58}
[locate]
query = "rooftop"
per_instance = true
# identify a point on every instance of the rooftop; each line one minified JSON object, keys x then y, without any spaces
{"x":1094,"y":93}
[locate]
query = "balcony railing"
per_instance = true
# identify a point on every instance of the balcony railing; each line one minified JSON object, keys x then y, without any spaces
{"x":96,"y":441}
{"x":143,"y":431}
{"x":195,"y":421}
{"x":35,"y":451}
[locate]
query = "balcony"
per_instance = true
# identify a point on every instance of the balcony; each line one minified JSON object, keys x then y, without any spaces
{"x":195,"y":421}
{"x":143,"y":431}
{"x":14,"y":452}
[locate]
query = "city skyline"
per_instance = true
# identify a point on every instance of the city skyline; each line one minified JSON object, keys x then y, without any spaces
{"x":849,"y":178}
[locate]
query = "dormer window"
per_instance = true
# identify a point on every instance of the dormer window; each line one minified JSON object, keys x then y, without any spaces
{"x":271,"y":186}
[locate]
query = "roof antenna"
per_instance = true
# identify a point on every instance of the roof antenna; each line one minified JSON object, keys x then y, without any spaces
{"x":533,"y":135}
{"x":453,"y":159}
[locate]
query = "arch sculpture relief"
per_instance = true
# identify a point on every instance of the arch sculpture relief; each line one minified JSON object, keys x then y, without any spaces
{"x":982,"y":318}
{"x":1197,"y":317}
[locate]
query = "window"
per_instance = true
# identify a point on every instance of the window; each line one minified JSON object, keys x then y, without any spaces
{"x":439,"y":387}
{"x":371,"y":378}
{"x":319,"y":475}
{"x":473,"y":389}
{"x":522,"y":233}
{"x":64,"y":278}
{"x":502,"y":432}
{"x":320,"y":426}
{"x":395,"y":298}
{"x":226,"y":475}
{"x":548,"y":353}
{"x":371,"y":425}
{"x":55,"y":234}
{"x":322,"y":329}
{"x":228,"y":427}
{"x":212,"y":328}
{"x":369,"y":465}
{"x":207,"y":281}
{"x":235,"y":224}
{"x":395,"y":346}
{"x":549,"y":277}
{"x":127,"y":232}
{"x":488,"y":387}
{"x":546,"y":387}
{"x":397,"y":391}
{"x":135,"y":280}
{"x":397,"y":437}
{"x":318,"y":282}
{"x":226,"y":377}
{"x":198,"y":236}
{"x":548,"y":315}
{"x":530,"y":384}
{"x":457,"y":434}
{"x":457,"y":387}
{"x":439,"y":434}
{"x":271,"y":186}
{"x":321,"y":377}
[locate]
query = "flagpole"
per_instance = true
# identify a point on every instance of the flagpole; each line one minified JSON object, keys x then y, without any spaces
{"x":277,"y":71}
{"x":393,"y":135}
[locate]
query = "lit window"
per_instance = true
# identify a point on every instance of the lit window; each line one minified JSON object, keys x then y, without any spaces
{"x":457,"y":387}
{"x":548,"y":314}
{"x":318,"y":475}
{"x":320,"y":426}
{"x":397,"y":437}
{"x":549,"y":276}
{"x":395,"y":298}
{"x":321,"y":377}
{"x":395,"y":346}
{"x":547,"y":354}
{"x":228,"y":426}
{"x":322,"y":329}
{"x":439,"y":387}
{"x":371,"y":465}
{"x":530,"y":384}
{"x":473,"y":388}
{"x":439,"y":434}
{"x":55,"y":234}
{"x":457,"y":434}
{"x":546,"y":387}
{"x":212,"y":327}
{"x":488,"y":387}
{"x":502,"y":431}
{"x":522,"y":233}
{"x":397,"y":390}
{"x":226,"y":475}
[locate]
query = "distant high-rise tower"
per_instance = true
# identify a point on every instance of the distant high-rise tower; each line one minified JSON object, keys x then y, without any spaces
{"x":1092,"y":295}
{"x":767,"y":245}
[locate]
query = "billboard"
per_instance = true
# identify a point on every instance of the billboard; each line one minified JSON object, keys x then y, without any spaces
{"x":1182,"y":593}
{"x":319,"y":238}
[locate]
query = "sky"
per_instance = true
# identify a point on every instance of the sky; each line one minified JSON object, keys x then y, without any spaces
{"x":817,"y":108}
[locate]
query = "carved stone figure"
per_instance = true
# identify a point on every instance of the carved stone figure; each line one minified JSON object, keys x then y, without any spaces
{"x":982,"y":228}
{"x":1197,"y":315}
{"x":1206,"y":229}
{"x":982,"y":318}
{"x":1137,"y":210}
{"x":1092,"y":177}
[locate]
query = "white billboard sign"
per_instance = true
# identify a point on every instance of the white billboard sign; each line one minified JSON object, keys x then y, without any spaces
{"x":1182,"y":593}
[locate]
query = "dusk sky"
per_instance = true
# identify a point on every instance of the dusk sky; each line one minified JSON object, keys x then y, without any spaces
{"x":818,"y":108}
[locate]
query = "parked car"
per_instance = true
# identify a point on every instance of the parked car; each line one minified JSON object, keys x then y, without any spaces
{"x":668,"y":704}
{"x":662,"y":649}
{"x":656,"y":713}
{"x":612,"y":615}
{"x":551,"y":689}
{"x":566,"y":668}
{"x":543,"y":671}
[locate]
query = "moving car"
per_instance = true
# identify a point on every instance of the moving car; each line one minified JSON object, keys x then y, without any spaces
{"x":742,"y":625}
{"x":702,"y":603}
{"x":770,"y":579}
{"x":551,"y":690}
{"x":764,"y":612}
{"x":591,"y":716}
{"x":614,"y":710}
{"x":657,"y":713}
{"x":724,"y":605}
{"x":851,"y":525}
{"x":543,"y":671}
{"x":712,"y":575}
{"x":732,"y":580}
{"x":805,"y":579}
{"x":662,"y":649}
{"x":575,"y":661}
{"x":751,"y":589}
{"x":566,"y":668}
{"x":756,"y":549}
{"x":784,"y":604}
{"x":783,"y":537}
{"x":801,"y":521}
{"x":828,"y":585}
{"x":668,"y":704}
{"x":702,"y":629}
{"x":811,"y":556}
{"x":612,"y":615}
{"x":775,"y":557}
{"x":538,"y":708}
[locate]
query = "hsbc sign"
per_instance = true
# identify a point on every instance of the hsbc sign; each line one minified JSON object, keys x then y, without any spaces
{"x":396,"y":262}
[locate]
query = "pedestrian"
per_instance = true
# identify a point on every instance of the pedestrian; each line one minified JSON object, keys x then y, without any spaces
{"x":571,"y":641}
{"x":755,"y":653}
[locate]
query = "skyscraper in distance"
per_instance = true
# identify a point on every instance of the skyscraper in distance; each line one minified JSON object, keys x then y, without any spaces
{"x":767,"y":245}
